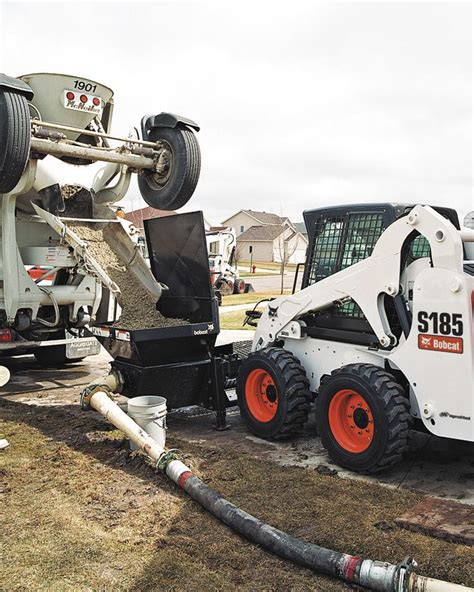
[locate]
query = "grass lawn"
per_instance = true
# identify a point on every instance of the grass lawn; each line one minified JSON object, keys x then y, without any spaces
{"x":247,"y":274}
{"x":267,"y":265}
{"x":249,"y":298}
{"x":234,"y":320}
{"x":82,"y":513}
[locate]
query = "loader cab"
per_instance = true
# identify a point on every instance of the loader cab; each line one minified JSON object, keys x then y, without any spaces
{"x":341,"y":236}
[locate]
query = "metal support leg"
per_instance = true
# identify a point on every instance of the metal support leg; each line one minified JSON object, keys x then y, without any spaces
{"x":220,"y":397}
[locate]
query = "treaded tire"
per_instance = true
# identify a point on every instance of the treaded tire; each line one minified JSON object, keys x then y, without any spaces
{"x":54,"y":356}
{"x":174,"y":192}
{"x":15,"y":136}
{"x":292,"y":397}
{"x":389,"y":413}
{"x":239,"y":287}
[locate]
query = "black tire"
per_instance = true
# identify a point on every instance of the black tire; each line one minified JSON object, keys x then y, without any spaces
{"x":288,"y":401}
{"x":15,"y":136}
{"x":382,"y":427}
{"x":239,"y":287}
{"x":224,"y":286}
{"x":54,"y":356}
{"x":173,"y":190}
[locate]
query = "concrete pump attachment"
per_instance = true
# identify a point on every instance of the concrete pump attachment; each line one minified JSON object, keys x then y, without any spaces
{"x":373,"y":575}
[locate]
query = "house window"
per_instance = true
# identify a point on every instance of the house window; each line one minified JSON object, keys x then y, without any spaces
{"x":242,"y":229}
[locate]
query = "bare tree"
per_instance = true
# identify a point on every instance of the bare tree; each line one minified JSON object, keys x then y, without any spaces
{"x":239,"y":253}
{"x":285,"y":252}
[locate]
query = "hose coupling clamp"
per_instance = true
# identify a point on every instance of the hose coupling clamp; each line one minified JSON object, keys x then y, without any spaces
{"x":404,"y":569}
{"x":166,"y":458}
{"x":90,"y":390}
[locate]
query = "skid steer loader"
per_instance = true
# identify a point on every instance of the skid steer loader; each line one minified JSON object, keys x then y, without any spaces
{"x":380,"y":336}
{"x":59,"y":163}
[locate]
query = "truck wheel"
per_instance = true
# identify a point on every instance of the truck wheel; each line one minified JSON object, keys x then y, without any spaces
{"x":172,"y":188}
{"x":363,"y":418}
{"x":273,"y":393}
{"x":15,"y":135}
{"x":239,"y":287}
{"x":54,"y":356}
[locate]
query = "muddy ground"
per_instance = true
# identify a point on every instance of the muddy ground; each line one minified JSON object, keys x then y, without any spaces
{"x":83,"y":513}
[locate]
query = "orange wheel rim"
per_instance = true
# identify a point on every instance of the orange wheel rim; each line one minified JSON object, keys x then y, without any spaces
{"x":261,"y":395}
{"x":351,"y":421}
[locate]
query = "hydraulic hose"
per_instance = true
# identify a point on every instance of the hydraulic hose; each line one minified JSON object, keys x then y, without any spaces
{"x":374,"y":575}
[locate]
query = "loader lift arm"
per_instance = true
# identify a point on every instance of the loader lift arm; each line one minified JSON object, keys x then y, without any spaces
{"x":367,"y":281}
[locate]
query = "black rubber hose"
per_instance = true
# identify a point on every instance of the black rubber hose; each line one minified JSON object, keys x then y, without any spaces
{"x":319,"y":559}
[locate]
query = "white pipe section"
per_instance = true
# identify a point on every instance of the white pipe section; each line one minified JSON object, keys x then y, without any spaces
{"x":418,"y":583}
{"x":67,"y":295}
{"x":101,"y":402}
{"x":134,"y":161}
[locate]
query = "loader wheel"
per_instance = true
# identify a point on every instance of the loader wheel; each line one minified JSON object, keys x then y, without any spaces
{"x":15,"y":137}
{"x":172,"y":188}
{"x":273,"y":393}
{"x":239,"y":287}
{"x":363,"y":418}
{"x":224,"y":286}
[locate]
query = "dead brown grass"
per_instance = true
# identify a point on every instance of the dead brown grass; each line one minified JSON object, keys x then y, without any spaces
{"x":82,"y":513}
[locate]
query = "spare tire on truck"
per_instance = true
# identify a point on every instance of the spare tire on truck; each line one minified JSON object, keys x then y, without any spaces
{"x":171,"y":188}
{"x":15,"y":131}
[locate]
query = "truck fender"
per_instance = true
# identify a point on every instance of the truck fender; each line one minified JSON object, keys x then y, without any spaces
{"x":150,"y":122}
{"x":14,"y":85}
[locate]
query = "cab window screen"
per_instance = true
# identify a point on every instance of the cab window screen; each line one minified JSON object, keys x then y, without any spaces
{"x":342,"y":241}
{"x":419,"y":247}
{"x":326,"y":248}
{"x":339,"y":243}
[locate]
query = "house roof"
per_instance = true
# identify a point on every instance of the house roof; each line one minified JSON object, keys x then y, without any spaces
{"x":269,"y":232}
{"x":262,"y":217}
{"x":300,"y":227}
{"x":136,"y":217}
{"x":218,"y":228}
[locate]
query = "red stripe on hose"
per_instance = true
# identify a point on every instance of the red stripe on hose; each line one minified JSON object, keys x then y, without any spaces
{"x":183,"y":478}
{"x":349,"y":568}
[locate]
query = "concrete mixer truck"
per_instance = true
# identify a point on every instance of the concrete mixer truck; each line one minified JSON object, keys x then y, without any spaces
{"x":60,"y":164}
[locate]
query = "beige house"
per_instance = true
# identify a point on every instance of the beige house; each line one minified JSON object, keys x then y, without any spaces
{"x":270,"y":243}
{"x":245,"y":219}
{"x":137,"y":217}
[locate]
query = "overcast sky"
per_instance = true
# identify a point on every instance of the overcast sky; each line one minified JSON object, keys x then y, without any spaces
{"x":301,"y":104}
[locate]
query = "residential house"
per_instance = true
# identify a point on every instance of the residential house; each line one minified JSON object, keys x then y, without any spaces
{"x":245,"y":219}
{"x":136,"y":217}
{"x":270,"y":243}
{"x":300,"y":227}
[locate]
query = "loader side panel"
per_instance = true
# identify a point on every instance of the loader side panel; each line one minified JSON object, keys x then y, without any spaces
{"x":438,"y":358}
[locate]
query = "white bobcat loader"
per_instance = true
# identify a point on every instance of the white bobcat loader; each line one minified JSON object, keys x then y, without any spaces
{"x":221,"y":246}
{"x":59,"y":163}
{"x":381,"y":335}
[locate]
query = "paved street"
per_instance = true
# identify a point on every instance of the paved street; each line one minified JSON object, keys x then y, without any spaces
{"x":271,"y":283}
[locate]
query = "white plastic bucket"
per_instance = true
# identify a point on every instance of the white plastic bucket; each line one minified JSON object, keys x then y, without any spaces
{"x":149,"y":411}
